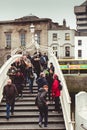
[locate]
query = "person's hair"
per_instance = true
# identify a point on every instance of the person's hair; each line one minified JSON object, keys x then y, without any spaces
{"x":45,"y":86}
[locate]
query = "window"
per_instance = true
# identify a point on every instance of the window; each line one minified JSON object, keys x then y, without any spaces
{"x":38,"y":38}
{"x":8,"y":40}
{"x":22,"y":39}
{"x":79,"y":42}
{"x":54,"y":47}
{"x":79,"y":53}
{"x":67,"y":51}
{"x":55,"y":50}
{"x":54,"y":36}
{"x":67,"y":36}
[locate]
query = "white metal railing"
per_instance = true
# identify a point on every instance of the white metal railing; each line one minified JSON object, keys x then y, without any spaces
{"x":64,"y":98}
{"x":82,"y":126}
{"x":3,"y":72}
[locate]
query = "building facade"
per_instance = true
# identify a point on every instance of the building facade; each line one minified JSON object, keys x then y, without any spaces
{"x":16,"y":34}
{"x":62,"y":43}
{"x":80,"y":47}
{"x":81,"y":18}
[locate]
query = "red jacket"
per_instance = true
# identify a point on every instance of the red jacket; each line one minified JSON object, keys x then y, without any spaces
{"x":55,"y":89}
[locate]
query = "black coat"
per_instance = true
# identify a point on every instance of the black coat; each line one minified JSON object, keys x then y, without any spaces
{"x":41,"y":81}
{"x":41,"y":100}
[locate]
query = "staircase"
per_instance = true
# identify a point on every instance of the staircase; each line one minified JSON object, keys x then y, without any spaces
{"x":26,"y":114}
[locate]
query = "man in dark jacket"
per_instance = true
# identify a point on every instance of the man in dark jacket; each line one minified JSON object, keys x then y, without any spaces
{"x":42,"y":105}
{"x":41,"y":81}
{"x":9,"y":93}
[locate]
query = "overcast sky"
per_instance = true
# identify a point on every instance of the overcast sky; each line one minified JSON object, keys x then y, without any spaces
{"x":57,"y":10}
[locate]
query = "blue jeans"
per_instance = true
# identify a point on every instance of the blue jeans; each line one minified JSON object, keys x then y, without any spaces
{"x":7,"y":110}
{"x":30,"y":81}
{"x":8,"y":106}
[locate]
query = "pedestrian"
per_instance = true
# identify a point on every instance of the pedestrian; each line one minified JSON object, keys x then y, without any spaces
{"x":42,"y":104}
{"x":52,"y":68}
{"x":18,"y":81}
{"x":41,"y":81}
{"x":36,"y":64}
{"x":11,"y":72}
{"x":9,"y":92}
{"x":46,"y":58}
{"x":56,"y":92}
{"x":30,"y":76}
{"x":49,"y":77}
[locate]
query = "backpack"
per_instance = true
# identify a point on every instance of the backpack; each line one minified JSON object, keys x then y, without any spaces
{"x":60,"y":86}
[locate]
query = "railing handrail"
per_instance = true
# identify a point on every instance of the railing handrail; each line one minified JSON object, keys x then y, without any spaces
{"x":82,"y":126}
{"x":3,"y":72}
{"x":65,"y":97}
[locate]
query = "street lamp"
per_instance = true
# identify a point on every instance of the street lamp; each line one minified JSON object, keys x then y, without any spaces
{"x":34,"y":37}
{"x":59,"y":48}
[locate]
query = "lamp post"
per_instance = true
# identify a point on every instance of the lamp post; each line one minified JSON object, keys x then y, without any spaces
{"x":34,"y":37}
{"x":32,"y":29}
{"x":59,"y":48}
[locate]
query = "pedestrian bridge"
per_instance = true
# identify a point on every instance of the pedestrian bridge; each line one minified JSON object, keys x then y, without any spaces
{"x":65,"y":98}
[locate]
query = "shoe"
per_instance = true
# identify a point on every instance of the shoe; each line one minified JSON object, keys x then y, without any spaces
{"x":45,"y":125}
{"x":40,"y":124}
{"x":54,"y":111}
{"x":59,"y":111}
{"x":12,"y":113}
{"x":7,"y":118}
{"x":21,"y":96}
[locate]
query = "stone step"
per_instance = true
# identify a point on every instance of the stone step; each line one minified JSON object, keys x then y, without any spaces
{"x":29,"y":120}
{"x":25,"y":108}
{"x":31,"y":113}
{"x":26,"y":114}
{"x":26,"y":103}
{"x":31,"y":127}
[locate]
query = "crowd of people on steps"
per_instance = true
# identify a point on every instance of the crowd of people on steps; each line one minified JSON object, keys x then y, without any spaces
{"x":23,"y":72}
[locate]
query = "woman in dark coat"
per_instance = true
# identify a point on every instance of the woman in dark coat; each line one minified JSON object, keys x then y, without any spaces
{"x":18,"y":81}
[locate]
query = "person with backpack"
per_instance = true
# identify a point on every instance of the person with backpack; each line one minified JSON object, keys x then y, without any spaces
{"x":42,"y":104}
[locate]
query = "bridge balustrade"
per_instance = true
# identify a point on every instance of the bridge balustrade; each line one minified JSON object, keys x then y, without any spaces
{"x":3,"y":72}
{"x":65,"y":98}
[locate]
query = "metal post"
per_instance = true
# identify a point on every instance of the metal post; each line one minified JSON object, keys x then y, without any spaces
{"x":34,"y":37}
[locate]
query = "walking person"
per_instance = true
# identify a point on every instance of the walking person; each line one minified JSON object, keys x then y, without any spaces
{"x":52,"y":68}
{"x":49,"y":77}
{"x":18,"y":81}
{"x":42,"y":104}
{"x":30,"y":76}
{"x":41,"y":81}
{"x":56,"y":92}
{"x":9,"y":92}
